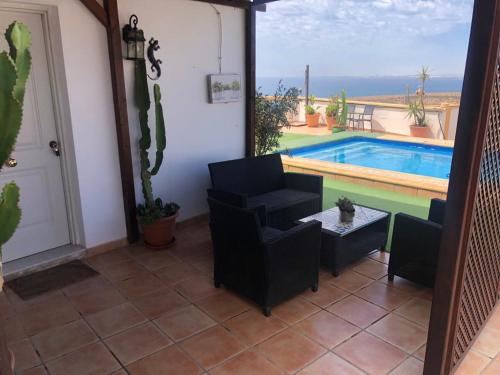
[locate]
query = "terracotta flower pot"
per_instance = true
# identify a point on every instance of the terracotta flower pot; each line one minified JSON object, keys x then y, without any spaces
{"x":331,"y":122}
{"x":419,"y":131}
{"x":312,"y":121}
{"x":159,"y":235}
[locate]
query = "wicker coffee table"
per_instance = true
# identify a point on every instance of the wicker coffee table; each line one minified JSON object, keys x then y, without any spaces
{"x":345,"y":243}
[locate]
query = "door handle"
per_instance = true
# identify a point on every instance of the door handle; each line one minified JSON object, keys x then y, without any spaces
{"x":11,"y":163}
{"x":55,"y":147}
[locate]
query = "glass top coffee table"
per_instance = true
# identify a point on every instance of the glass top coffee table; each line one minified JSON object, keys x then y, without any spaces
{"x":345,"y":243}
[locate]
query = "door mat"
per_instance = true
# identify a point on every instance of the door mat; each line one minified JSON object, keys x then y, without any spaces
{"x":58,"y":277}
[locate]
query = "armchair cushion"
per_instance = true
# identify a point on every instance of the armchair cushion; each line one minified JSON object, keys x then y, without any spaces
{"x":279,"y":199}
{"x":304,"y":182}
{"x":437,"y":210}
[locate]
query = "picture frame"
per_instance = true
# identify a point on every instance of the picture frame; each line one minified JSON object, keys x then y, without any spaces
{"x":224,"y":88}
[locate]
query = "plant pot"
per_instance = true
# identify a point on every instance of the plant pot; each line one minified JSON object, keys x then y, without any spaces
{"x":159,"y":235}
{"x":346,"y":217}
{"x":419,"y":131}
{"x":331,"y":122}
{"x":312,"y":121}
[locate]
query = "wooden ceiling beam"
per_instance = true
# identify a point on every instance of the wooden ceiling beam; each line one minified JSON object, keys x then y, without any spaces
{"x":230,"y":3}
{"x":97,"y":10}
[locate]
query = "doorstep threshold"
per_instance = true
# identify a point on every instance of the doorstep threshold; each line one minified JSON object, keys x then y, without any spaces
{"x":41,"y":261}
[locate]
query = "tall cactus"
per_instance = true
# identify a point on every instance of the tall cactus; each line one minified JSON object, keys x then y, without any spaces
{"x":14,"y":71}
{"x":152,"y":208}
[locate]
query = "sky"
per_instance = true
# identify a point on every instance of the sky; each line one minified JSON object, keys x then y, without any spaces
{"x":363,"y":37}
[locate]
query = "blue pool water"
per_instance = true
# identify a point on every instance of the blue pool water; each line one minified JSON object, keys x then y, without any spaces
{"x":395,"y":156}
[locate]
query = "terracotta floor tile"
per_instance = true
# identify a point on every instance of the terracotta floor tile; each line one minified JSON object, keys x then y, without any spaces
{"x":370,"y":354}
{"x":294,"y":310}
{"x":472,"y":364}
{"x":39,"y":370}
{"x":371,"y":268}
{"x":24,"y":354}
{"x":157,"y":260}
{"x":427,"y":294}
{"x":140,"y":285}
{"x":330,"y":364}
{"x":19,"y":305}
{"x":247,"y":363}
{"x":97,"y":300}
{"x":399,"y":332}
{"x":137,"y":342}
{"x":494,"y":321}
{"x":488,"y":342}
{"x":182,"y":323}
{"x":402,"y":284}
{"x":167,"y":361}
{"x":58,"y":311}
{"x":357,"y":311}
{"x":223,"y":306}
{"x":13,"y":330}
{"x":290,"y":350}
{"x":420,"y":353}
{"x":351,"y":281}
{"x":110,"y":257}
{"x":62,"y":340}
{"x":119,"y":372}
{"x":410,"y":366}
{"x":384,"y":295}
{"x":493,"y":368}
{"x":327,"y":329}
{"x":121,"y":271}
{"x":92,"y":359}
{"x":176,"y":273}
{"x":155,"y":304}
{"x":6,"y":309}
{"x":212,"y":347}
{"x":418,"y":310}
{"x":253,"y":327}
{"x":197,"y":287}
{"x":116,"y":319}
{"x":380,"y":256}
{"x":325,"y":296}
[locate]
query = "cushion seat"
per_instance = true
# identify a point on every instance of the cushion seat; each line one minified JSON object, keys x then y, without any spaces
{"x":268,"y":233}
{"x":282,"y":198}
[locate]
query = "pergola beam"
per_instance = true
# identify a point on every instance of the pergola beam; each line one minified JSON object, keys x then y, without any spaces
{"x":97,"y":10}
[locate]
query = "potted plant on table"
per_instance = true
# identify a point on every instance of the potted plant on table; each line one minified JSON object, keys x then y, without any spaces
{"x":312,"y":115}
{"x":416,"y":109}
{"x":15,"y":68}
{"x":157,"y":219}
{"x":331,"y":113}
{"x":347,"y":210}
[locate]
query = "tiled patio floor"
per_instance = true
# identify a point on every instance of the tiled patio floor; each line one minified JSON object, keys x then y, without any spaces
{"x":158,"y":313}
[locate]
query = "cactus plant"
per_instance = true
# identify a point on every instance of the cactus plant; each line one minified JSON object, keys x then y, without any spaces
{"x":152,"y":209}
{"x":14,"y":71}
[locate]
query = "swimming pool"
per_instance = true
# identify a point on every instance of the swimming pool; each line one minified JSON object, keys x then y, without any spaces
{"x":414,"y":158}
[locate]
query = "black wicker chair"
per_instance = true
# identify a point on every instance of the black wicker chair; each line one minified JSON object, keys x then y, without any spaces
{"x":415,"y":245}
{"x":257,"y":181}
{"x":262,"y":263}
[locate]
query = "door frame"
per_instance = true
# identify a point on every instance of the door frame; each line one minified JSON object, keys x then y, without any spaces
{"x":60,"y":102}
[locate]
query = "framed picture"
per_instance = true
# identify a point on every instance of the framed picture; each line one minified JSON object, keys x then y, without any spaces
{"x":224,"y":88}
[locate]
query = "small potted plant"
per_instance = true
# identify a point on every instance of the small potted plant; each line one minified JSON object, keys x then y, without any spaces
{"x":416,"y":109}
{"x":312,"y":115}
{"x":331,"y":113}
{"x":342,"y":110}
{"x":347,"y":210}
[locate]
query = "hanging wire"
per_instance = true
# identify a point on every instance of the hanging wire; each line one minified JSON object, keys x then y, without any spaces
{"x":219,"y":16}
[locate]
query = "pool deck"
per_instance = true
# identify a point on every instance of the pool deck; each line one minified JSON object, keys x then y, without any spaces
{"x":415,"y":185}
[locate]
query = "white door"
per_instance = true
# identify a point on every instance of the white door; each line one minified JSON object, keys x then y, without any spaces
{"x":44,"y":223}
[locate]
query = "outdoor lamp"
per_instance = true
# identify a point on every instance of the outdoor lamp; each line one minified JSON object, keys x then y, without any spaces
{"x":134,"y":38}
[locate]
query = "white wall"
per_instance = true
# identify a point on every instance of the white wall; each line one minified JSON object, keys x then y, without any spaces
{"x":197,"y":132}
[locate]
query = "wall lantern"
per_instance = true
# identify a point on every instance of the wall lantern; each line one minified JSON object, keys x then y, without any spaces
{"x":134,"y":38}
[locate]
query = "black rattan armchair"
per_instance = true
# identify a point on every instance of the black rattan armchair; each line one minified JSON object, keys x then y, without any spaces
{"x":262,"y":263}
{"x":415,"y":245}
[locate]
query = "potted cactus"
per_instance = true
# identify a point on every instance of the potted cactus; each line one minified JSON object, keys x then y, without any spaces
{"x":312,"y":115}
{"x":157,"y":219}
{"x":331,"y":112}
{"x":15,"y":68}
{"x":347,"y":210}
{"x":416,"y":109}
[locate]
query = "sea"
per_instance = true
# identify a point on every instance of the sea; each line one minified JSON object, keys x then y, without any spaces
{"x":324,"y":87}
